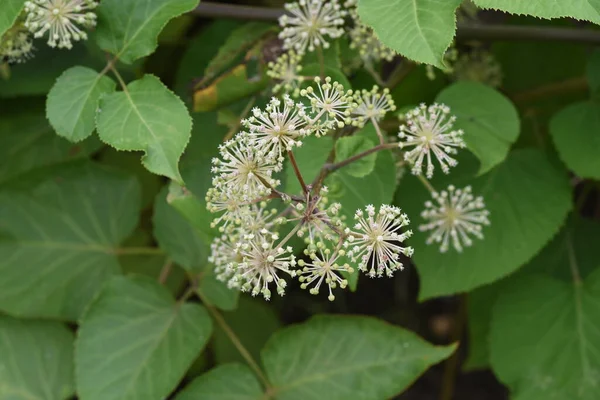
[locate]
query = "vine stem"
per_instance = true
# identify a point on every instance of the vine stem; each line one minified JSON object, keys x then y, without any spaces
{"x":237,"y":343}
{"x":111,"y":66}
{"x":329,"y":168}
{"x":465,"y":32}
{"x":165,"y":271}
{"x":426,"y":183}
{"x":297,"y":171}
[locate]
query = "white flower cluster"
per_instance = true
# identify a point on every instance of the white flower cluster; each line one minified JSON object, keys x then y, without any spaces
{"x":61,"y":20}
{"x":249,"y":255}
{"x":310,"y":25}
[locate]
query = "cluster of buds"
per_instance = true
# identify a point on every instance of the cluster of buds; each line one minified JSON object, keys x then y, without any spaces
{"x":16,"y":45}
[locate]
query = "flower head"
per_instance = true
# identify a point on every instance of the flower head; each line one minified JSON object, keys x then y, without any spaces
{"x":243,"y":171}
{"x":429,"y":130}
{"x":261,"y":265}
{"x":277,"y":129}
{"x":364,"y":40}
{"x":372,"y":105}
{"x":317,"y":218}
{"x":323,"y":268}
{"x":15,"y":44}
{"x":331,"y":104}
{"x":454,"y":215}
{"x":310,"y":22}
{"x":61,"y":19}
{"x":286,"y":70}
{"x":375,"y":240}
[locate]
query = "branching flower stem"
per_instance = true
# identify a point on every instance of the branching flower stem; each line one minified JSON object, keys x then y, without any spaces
{"x":329,"y":168}
{"x":297,"y":171}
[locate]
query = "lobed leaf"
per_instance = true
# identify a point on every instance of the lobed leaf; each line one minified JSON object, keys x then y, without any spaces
{"x":224,"y":382}
{"x":73,"y":100}
{"x":148,"y":117}
{"x":588,"y":10}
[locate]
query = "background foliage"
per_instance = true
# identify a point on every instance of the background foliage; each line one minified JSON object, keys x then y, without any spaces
{"x":106,"y":291}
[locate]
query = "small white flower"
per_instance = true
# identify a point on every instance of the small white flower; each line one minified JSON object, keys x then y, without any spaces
{"x":323,"y":267}
{"x":279,"y":128}
{"x":429,"y":129}
{"x":261,"y":265}
{"x":244,"y":171}
{"x":16,"y":44}
{"x":310,"y":22}
{"x":331,"y":104}
{"x":372,"y":105}
{"x":286,"y":70}
{"x":454,"y":216}
{"x":230,"y":204}
{"x":375,"y":240}
{"x":61,"y":19}
{"x":225,"y":255}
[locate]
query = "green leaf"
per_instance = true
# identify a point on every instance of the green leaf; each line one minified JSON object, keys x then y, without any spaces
{"x":337,"y":357}
{"x":587,"y":10}
{"x":575,"y":134}
{"x":59,"y":233}
{"x":36,"y":144}
{"x":193,"y":210}
{"x":310,"y":157}
{"x":147,"y":117}
{"x":177,"y":237}
{"x":578,"y":236}
{"x":254,"y":322}
{"x":489,"y":119}
{"x":9,"y":12}
{"x":346,"y":147}
{"x":593,"y":73}
{"x":427,"y":26}
{"x":225,"y":382}
{"x":553,"y":326}
{"x":37,"y":360}
{"x":73,"y":100}
{"x":129,"y":29}
{"x":216,"y":293}
{"x":136,"y":342}
{"x":528,"y":198}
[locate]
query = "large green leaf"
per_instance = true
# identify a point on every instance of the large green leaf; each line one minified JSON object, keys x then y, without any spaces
{"x":336,"y":357}
{"x":349,"y":146}
{"x":575,"y":131}
{"x":427,"y":26}
{"x":225,"y":382}
{"x":36,"y":144}
{"x":129,"y":29}
{"x":59,"y":233}
{"x":73,"y":100}
{"x":553,"y":327}
{"x":36,"y":361}
{"x":528,"y":198}
{"x":490,"y":121}
{"x":136,"y":342}
{"x":9,"y":12}
{"x":147,"y":117}
{"x":588,"y":10}
{"x":310,"y":157}
{"x":579,"y":237}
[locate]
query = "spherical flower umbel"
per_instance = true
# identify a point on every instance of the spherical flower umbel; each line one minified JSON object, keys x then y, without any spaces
{"x":371,"y":105}
{"x":453,"y":216}
{"x":478,"y":65}
{"x":277,"y":129}
{"x":323,"y":268}
{"x":261,"y":265}
{"x":16,"y":44}
{"x":62,"y":20}
{"x":286,"y":70}
{"x":309,"y":23}
{"x":376,"y":238}
{"x":429,"y":130}
{"x":330,"y":102}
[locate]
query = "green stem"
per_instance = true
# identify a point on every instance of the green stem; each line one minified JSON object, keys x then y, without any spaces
{"x":329,"y":168}
{"x":297,"y":171}
{"x":426,"y":183}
